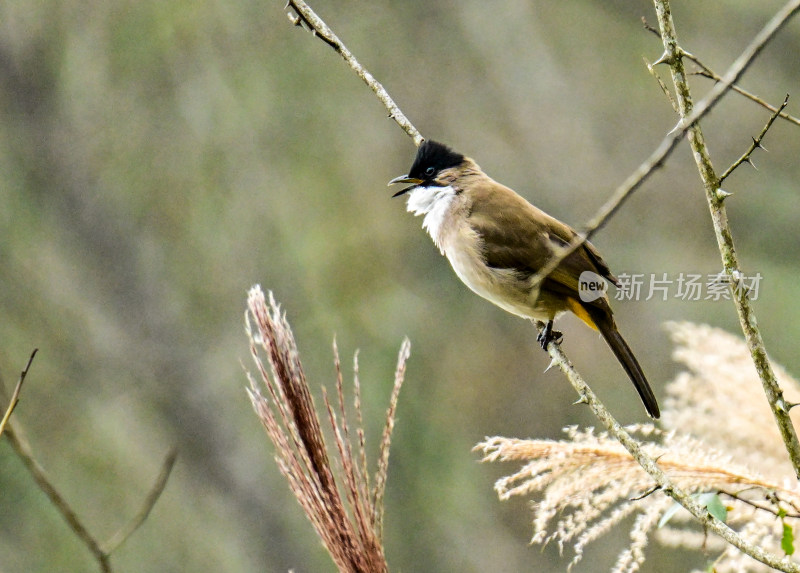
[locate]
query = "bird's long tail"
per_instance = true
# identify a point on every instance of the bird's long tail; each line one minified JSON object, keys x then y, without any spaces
{"x":604,"y":322}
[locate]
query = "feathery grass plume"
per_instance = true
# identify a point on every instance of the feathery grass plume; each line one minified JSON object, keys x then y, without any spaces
{"x":716,"y":427}
{"x":350,"y":530}
{"x":719,"y":397}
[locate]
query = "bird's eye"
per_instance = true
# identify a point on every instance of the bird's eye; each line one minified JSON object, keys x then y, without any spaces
{"x":429,"y":171}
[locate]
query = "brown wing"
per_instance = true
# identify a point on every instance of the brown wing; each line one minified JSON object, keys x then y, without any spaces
{"x":518,"y":236}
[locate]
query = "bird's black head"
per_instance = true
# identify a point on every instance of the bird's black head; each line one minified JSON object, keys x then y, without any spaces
{"x":432,"y":158}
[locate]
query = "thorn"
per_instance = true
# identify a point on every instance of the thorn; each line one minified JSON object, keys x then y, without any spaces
{"x":549,"y":366}
{"x":581,"y":400}
{"x":677,"y":128}
{"x":664,"y":59}
{"x":750,"y":161}
{"x":722,"y":194}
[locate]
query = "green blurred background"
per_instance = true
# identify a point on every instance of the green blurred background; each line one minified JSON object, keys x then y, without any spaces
{"x":159,"y":158}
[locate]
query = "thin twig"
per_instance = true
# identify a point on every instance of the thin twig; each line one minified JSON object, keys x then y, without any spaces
{"x":647,"y":493}
{"x":15,"y":395}
{"x":707,"y":72}
{"x":102,"y":553}
{"x":652,"y":69}
{"x":319,"y":28}
{"x":662,"y":480}
{"x":755,"y":505}
{"x":23,"y":450}
{"x":122,"y":535}
{"x":715,"y":198}
{"x":745,"y":158}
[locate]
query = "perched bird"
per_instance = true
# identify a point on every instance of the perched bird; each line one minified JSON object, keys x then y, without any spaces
{"x":497,"y":242}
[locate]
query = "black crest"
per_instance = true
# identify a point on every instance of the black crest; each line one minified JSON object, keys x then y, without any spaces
{"x":432,"y":157}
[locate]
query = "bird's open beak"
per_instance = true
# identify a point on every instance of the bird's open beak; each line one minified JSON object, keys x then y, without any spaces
{"x":404,"y":179}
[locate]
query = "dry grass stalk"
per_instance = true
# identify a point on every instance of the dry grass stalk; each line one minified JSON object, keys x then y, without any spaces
{"x":716,"y":429}
{"x":351,"y":530}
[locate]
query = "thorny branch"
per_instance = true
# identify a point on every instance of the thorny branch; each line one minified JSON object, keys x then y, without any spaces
{"x":715,"y":198}
{"x":745,"y":158}
{"x":707,"y":72}
{"x":667,"y":146}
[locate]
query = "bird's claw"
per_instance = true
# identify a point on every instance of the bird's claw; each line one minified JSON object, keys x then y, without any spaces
{"x":548,"y":335}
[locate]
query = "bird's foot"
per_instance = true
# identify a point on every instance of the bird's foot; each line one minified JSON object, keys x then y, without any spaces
{"x":548,"y":335}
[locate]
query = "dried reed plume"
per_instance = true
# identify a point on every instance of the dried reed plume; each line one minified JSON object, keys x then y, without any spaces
{"x":351,"y":530}
{"x":716,"y":427}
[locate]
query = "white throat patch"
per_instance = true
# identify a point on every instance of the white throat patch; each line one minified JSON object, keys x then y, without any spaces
{"x":434,"y":203}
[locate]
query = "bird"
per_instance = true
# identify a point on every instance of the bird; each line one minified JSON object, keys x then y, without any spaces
{"x":497,"y":242}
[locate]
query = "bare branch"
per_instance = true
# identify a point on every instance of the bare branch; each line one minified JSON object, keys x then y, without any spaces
{"x":23,"y":450}
{"x":15,"y":395}
{"x":745,"y":158}
{"x":715,"y":198}
{"x":122,"y":535}
{"x":305,"y":15}
{"x":739,"y":497}
{"x":43,"y":481}
{"x":652,"y":69}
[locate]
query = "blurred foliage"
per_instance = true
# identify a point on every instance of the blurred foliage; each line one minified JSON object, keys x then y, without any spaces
{"x":158,"y":158}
